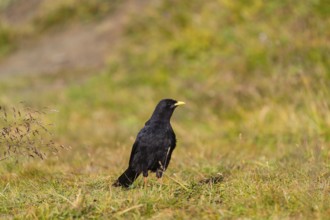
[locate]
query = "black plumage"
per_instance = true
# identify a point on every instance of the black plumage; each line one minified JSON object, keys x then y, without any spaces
{"x":153,"y":146}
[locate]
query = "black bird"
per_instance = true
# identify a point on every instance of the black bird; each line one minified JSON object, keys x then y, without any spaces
{"x":153,"y":146}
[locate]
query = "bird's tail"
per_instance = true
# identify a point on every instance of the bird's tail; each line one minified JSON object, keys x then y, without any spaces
{"x":127,"y":178}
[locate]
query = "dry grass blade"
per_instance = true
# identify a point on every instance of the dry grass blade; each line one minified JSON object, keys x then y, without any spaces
{"x":178,"y":182}
{"x":76,"y":203}
{"x":128,"y":209}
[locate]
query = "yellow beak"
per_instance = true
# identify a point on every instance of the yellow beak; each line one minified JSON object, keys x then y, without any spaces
{"x":179,"y":103}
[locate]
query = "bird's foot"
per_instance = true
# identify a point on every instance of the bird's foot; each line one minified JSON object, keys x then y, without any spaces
{"x":145,"y":180}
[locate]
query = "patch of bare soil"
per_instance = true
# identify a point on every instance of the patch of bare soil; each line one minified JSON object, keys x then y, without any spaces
{"x":77,"y":47}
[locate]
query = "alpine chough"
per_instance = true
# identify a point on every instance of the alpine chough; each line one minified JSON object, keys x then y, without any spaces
{"x":153,"y":146}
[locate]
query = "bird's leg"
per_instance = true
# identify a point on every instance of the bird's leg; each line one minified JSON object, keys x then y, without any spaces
{"x":145,"y":178}
{"x":160,"y":181}
{"x":159,"y":175}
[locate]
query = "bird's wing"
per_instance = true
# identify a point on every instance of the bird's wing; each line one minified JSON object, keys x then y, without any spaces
{"x":134,"y":149}
{"x":137,"y":144}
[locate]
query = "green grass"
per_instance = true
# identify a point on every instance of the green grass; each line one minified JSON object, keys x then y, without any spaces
{"x":255,"y":77}
{"x":7,"y":39}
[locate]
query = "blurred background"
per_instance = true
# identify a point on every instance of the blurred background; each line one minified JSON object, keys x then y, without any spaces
{"x":255,"y":74}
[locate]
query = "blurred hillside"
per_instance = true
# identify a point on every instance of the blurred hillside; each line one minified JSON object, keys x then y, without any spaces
{"x":255,"y":76}
{"x":257,"y":69}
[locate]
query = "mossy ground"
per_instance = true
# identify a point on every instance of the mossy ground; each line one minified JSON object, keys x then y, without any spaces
{"x":255,"y":77}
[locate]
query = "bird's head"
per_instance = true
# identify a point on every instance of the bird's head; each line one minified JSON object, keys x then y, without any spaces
{"x":169,"y":104}
{"x":165,"y":108}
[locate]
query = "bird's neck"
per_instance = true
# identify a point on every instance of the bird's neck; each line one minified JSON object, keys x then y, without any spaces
{"x":162,"y":117}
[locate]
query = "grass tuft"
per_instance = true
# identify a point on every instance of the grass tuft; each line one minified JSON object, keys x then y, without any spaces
{"x":24,"y":133}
